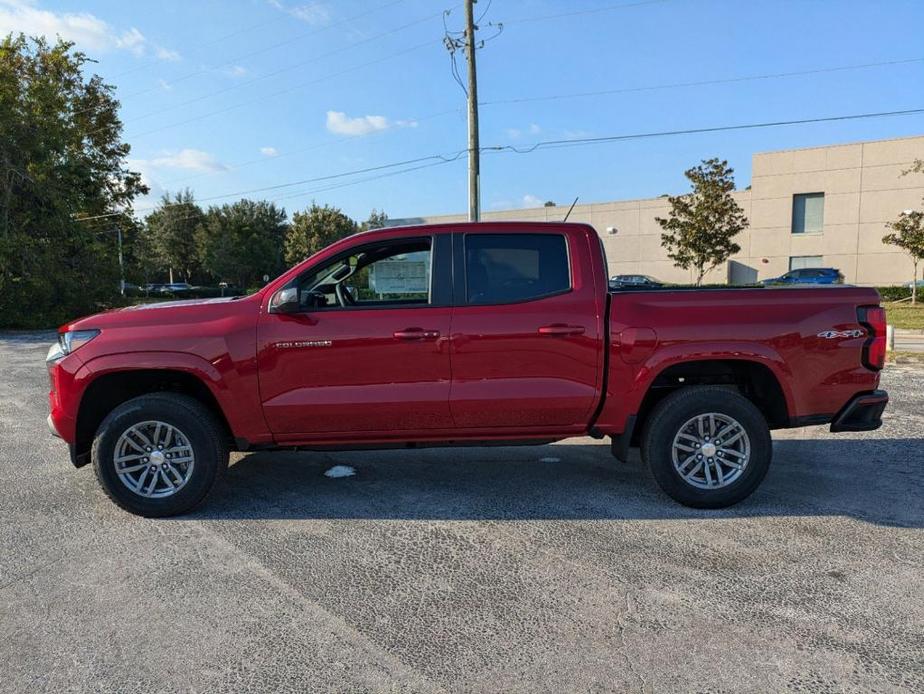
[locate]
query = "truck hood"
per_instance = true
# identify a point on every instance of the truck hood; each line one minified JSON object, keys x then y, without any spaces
{"x":174,"y":304}
{"x":166,"y":313}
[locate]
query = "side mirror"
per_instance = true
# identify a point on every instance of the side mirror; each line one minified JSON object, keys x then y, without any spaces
{"x":284,"y":301}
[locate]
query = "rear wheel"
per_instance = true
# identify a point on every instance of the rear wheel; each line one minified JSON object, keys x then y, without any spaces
{"x":707,"y":447}
{"x":159,"y":455}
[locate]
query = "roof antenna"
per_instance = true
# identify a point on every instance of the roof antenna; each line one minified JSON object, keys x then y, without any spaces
{"x":569,"y":211}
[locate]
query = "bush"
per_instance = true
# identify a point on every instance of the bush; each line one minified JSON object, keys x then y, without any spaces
{"x":895,"y":292}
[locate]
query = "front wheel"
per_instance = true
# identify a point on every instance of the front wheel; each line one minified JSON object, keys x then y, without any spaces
{"x":707,"y":447}
{"x":159,"y":455}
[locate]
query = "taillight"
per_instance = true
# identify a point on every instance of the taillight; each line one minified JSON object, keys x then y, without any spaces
{"x":873,"y":318}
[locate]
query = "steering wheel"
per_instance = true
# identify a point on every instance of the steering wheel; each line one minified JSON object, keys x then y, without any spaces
{"x":343,"y":295}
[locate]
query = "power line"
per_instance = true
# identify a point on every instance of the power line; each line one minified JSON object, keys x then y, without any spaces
{"x":297,"y":194}
{"x":445,"y":158}
{"x":594,"y":10}
{"x":701,"y":83}
{"x":575,"y":142}
{"x":270,"y":47}
{"x":288,"y":68}
{"x":199,"y":48}
{"x":548,"y":144}
{"x":528,"y":99}
{"x":263,"y":98}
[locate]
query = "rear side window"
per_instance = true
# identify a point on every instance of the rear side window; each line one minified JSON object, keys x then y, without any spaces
{"x":506,"y":268}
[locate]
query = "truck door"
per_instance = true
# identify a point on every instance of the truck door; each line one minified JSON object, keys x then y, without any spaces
{"x":527,"y":330}
{"x":366,"y":350}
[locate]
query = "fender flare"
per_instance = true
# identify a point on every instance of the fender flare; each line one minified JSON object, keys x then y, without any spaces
{"x":196,"y":366}
{"x":670,"y":355}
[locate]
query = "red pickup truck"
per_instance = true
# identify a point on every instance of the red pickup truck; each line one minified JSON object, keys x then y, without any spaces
{"x":463,"y":334}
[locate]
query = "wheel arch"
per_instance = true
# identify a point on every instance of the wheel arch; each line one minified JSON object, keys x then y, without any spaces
{"x":754,"y":379}
{"x":110,"y":389}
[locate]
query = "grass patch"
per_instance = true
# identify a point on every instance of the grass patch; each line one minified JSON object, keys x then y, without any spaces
{"x":905,"y":358}
{"x":905,"y":315}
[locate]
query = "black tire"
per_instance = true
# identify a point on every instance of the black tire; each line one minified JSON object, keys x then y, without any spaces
{"x":668,"y":419}
{"x":197,"y":424}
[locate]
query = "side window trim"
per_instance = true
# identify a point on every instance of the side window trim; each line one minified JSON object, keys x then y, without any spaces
{"x":460,"y":279}
{"x":440,"y":274}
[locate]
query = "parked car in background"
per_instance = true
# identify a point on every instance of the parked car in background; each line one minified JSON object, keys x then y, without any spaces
{"x":152,"y":288}
{"x":176,"y":288}
{"x":630,"y":281}
{"x":471,"y":333}
{"x":809,"y":275}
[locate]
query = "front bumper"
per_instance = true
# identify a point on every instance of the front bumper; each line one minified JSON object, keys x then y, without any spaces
{"x":862,"y":413}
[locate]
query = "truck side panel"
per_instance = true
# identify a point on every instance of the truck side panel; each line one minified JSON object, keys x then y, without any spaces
{"x":809,"y":339}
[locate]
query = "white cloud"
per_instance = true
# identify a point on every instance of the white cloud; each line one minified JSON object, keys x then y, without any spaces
{"x":269,"y":151}
{"x":532,"y":201}
{"x":340,"y":124}
{"x":88,"y":31}
{"x":236,"y":71}
{"x":314,"y":13}
{"x":151,"y":170}
{"x":132,"y":40}
{"x":166,"y":54}
{"x":165,"y":85}
{"x":517,"y":133}
{"x":191,"y":159}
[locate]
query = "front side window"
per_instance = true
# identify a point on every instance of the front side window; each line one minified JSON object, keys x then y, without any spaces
{"x":507,"y":268}
{"x":393,"y":273}
{"x":808,"y":213}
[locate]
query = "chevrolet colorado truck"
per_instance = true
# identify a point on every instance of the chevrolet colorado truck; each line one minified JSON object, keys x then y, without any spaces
{"x":474,"y":334}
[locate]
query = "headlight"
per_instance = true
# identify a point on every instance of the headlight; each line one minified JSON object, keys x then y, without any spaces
{"x":68,"y":342}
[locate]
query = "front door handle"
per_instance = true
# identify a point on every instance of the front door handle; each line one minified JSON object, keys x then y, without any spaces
{"x":560,"y":330}
{"x":416,"y":334}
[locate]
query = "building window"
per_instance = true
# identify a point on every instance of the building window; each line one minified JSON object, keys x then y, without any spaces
{"x":808,"y":213}
{"x":797,"y":262}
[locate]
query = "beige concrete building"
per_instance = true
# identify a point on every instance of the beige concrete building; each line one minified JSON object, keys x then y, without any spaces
{"x":821,"y":206}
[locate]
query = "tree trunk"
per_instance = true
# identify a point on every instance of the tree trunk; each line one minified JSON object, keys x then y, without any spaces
{"x":7,"y":182}
{"x":914,"y":286}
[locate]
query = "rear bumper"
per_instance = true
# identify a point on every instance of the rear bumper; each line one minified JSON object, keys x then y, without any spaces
{"x":52,"y":428}
{"x":862,"y":413}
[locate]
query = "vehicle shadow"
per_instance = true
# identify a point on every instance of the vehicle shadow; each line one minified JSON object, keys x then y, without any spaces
{"x":880,"y":481}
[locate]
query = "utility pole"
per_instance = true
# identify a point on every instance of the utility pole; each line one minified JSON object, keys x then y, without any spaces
{"x":121,"y":264}
{"x":474,"y":152}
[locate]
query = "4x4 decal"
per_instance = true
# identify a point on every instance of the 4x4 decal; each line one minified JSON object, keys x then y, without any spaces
{"x":832,"y":334}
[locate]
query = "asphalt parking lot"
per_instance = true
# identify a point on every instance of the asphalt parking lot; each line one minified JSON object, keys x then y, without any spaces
{"x":501,"y":569}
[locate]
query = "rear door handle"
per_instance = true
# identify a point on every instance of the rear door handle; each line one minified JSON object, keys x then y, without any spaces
{"x":416,"y":334}
{"x":560,"y":329}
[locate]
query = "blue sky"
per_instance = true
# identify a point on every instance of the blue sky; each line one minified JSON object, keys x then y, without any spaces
{"x":230,"y":96}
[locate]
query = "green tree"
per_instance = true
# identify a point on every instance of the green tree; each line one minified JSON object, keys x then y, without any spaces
{"x":172,"y":229}
{"x":699,"y":232}
{"x":917,"y":166}
{"x":243,"y":242}
{"x":64,"y":185}
{"x":314,"y":229}
{"x":377,"y":220}
{"x":908,"y":234}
